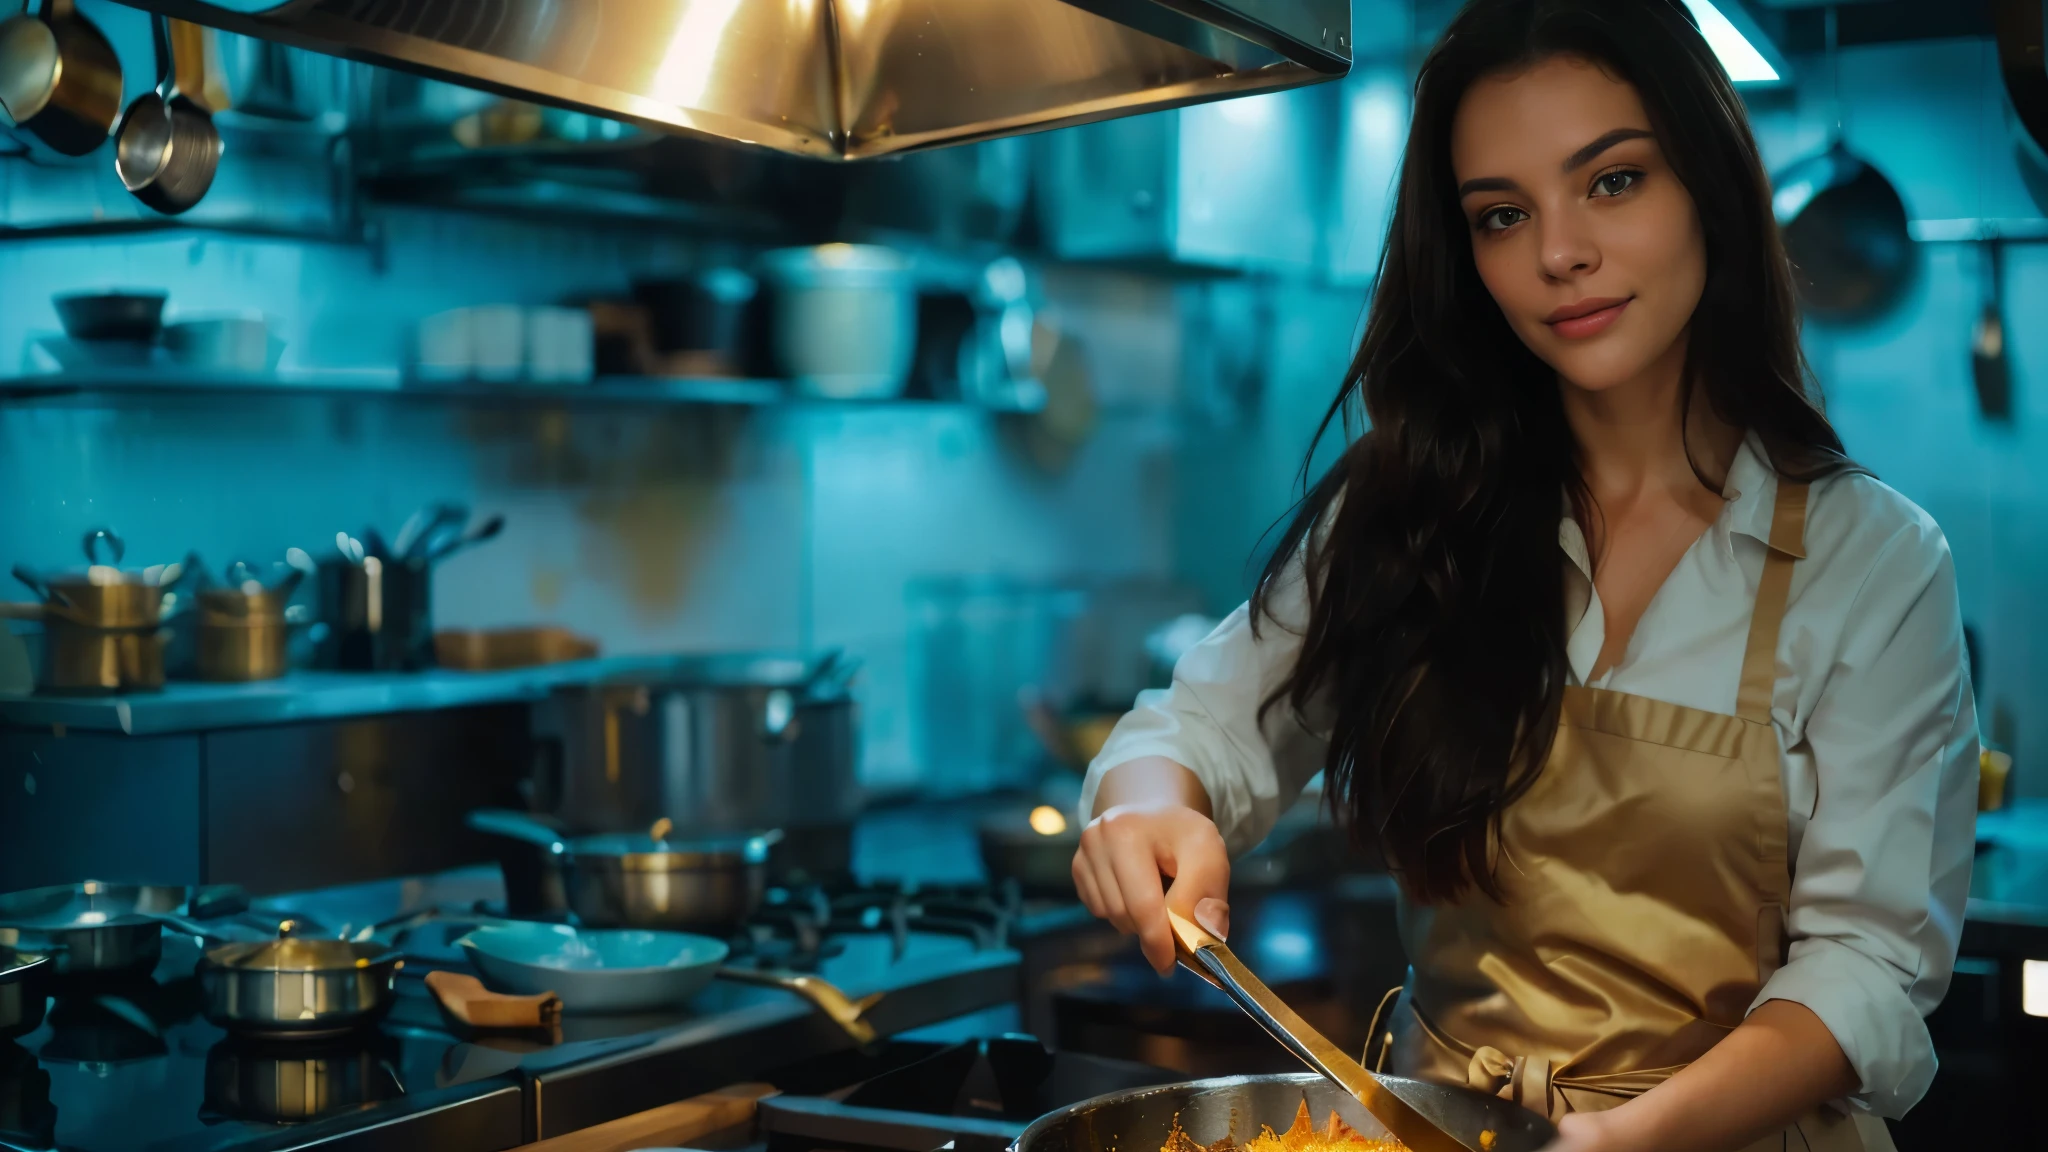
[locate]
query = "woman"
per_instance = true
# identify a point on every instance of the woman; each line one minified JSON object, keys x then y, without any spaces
{"x":1652,"y":701}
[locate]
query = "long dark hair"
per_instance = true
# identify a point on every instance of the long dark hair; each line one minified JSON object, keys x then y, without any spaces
{"x":1435,"y":636}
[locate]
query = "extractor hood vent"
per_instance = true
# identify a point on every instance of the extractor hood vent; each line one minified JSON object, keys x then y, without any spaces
{"x":830,"y":78}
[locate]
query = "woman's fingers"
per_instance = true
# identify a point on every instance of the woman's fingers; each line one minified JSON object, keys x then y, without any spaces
{"x":1084,"y":884}
{"x":1136,"y":863}
{"x":1095,"y":846}
{"x":1122,"y":867}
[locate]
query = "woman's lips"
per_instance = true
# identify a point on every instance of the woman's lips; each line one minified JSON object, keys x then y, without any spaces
{"x":1586,"y":318}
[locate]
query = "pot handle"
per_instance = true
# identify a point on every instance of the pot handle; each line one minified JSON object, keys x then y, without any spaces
{"x":516,"y":826}
{"x":97,"y":536}
{"x":849,"y":1014}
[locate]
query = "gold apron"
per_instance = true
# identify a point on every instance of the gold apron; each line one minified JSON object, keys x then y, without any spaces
{"x":1646,"y":881}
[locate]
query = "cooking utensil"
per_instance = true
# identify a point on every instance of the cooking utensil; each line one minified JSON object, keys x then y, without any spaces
{"x":130,"y":317}
{"x":723,"y":744}
{"x":100,"y":927}
{"x":442,"y":546}
{"x":1425,"y":1117}
{"x":849,"y":1014}
{"x":24,"y":989}
{"x":1844,"y":225}
{"x":60,"y":78}
{"x":844,"y":320}
{"x":420,"y":527}
{"x":483,"y":650}
{"x":626,"y":880}
{"x":594,"y":970}
{"x":103,"y":625}
{"x":292,"y":986}
{"x":1236,"y":1107}
{"x":1990,"y":365}
{"x":241,"y":344}
{"x":167,"y":150}
{"x":245,"y":628}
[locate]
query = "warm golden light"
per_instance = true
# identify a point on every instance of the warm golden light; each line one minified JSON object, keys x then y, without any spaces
{"x":1047,"y":821}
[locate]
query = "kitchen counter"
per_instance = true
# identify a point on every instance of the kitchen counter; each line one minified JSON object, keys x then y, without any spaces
{"x":191,"y":706}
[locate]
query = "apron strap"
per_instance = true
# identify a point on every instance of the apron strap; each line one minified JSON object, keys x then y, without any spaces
{"x":1760,"y":659}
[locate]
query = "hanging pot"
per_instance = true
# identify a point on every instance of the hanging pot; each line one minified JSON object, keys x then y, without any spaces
{"x":1845,"y":227}
{"x":1846,"y":232}
{"x":59,"y":78}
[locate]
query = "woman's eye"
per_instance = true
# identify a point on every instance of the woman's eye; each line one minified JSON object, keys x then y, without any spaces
{"x":1497,"y":219}
{"x":1615,"y":183}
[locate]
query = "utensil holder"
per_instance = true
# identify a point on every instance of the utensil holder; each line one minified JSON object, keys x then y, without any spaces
{"x":378,"y":614}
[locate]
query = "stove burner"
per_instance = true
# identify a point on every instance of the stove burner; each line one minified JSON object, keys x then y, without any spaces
{"x":808,"y":917}
{"x":797,"y":927}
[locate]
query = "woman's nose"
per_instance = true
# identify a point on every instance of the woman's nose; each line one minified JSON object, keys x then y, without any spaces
{"x":1568,"y":248}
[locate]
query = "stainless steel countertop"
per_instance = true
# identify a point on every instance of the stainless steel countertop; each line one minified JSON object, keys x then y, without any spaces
{"x":186,"y":706}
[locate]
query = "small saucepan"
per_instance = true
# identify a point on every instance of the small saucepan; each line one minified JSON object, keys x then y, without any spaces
{"x":92,"y":926}
{"x":24,"y":990}
{"x":648,"y":880}
{"x":293,"y":986}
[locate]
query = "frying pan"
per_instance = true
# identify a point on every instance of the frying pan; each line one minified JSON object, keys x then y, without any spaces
{"x":1235,"y":1107}
{"x":1844,"y":225}
{"x":1845,"y":230}
{"x":594,"y":970}
{"x":59,"y":78}
{"x":92,"y":926}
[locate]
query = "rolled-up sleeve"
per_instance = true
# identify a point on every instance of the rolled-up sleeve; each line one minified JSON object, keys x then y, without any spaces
{"x":1253,"y":766}
{"x":1882,"y":872}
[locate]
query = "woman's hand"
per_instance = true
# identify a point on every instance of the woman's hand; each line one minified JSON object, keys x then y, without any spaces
{"x":1584,"y":1132}
{"x":1125,"y":853}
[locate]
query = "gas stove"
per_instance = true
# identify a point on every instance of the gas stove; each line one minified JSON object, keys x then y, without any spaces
{"x":136,"y":1066}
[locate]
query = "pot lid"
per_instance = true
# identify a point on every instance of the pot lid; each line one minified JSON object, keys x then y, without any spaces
{"x":831,"y":80}
{"x":289,"y":953}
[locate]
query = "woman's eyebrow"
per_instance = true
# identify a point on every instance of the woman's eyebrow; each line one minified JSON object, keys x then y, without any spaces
{"x":1571,"y":163}
{"x":1587,"y":154}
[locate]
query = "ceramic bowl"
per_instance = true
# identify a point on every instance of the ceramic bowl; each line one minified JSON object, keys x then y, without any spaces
{"x":593,"y":970}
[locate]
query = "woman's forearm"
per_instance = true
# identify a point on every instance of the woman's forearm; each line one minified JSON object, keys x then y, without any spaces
{"x":1778,"y":1065}
{"x":1150,"y":781}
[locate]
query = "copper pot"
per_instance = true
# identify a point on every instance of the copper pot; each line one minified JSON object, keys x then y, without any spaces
{"x":103,"y":626}
{"x":244,"y":632}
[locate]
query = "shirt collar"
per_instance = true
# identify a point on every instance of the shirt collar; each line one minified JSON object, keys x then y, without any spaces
{"x":1751,"y":491}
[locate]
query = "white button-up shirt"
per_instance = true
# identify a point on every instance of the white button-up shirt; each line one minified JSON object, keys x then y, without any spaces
{"x":1872,"y":707}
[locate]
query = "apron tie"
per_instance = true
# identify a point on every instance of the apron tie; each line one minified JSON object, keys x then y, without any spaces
{"x":1522,"y":1080}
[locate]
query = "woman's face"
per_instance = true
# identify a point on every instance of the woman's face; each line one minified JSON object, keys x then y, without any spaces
{"x":1580,"y":229}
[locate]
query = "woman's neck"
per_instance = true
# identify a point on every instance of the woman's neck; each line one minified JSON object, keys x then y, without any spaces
{"x":1632,"y":442}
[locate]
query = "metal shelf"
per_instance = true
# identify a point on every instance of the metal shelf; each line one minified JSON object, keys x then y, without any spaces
{"x":388,"y":383}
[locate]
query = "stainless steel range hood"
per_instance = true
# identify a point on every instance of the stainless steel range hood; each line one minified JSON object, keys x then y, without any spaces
{"x":839,"y":79}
